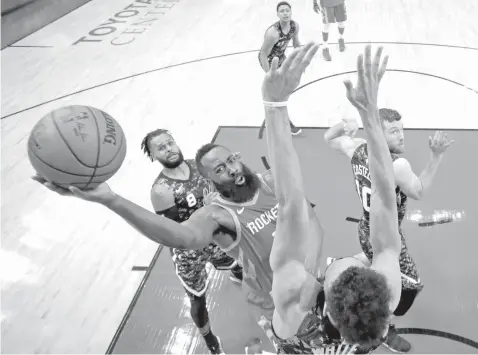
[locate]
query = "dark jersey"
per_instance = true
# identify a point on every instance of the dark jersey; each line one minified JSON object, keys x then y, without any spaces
{"x":281,"y":45}
{"x":188,"y":194}
{"x":316,"y":334}
{"x":363,"y":183}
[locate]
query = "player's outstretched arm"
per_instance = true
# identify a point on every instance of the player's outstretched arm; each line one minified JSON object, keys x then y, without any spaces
{"x":195,"y":233}
{"x":384,"y":234}
{"x":292,"y":240}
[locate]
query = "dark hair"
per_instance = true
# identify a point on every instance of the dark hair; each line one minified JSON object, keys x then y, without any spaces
{"x":358,"y":302}
{"x":283,"y":3}
{"x":146,"y":140}
{"x":206,"y":148}
{"x":389,"y":115}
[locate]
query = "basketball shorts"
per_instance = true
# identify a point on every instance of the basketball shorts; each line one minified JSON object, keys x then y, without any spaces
{"x":334,"y":14}
{"x":410,"y":277}
{"x":191,"y":266}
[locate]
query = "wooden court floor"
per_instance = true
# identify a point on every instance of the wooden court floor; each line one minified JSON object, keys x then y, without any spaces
{"x":187,"y":66}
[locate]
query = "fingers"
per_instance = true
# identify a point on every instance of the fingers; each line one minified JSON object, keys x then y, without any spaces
{"x":376,"y":61}
{"x":368,"y":59}
{"x":274,"y":65}
{"x":350,"y":92}
{"x":310,"y":54}
{"x":288,"y":61}
{"x":39,"y":179}
{"x":383,"y":68}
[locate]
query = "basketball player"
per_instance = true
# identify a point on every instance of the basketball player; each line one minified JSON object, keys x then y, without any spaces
{"x":240,"y":217}
{"x":332,"y":11}
{"x":178,"y":191}
{"x":342,"y":138}
{"x":276,"y":40}
{"x":348,"y":308}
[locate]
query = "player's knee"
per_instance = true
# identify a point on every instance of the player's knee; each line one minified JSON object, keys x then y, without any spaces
{"x":341,"y":24}
{"x":326,"y":27}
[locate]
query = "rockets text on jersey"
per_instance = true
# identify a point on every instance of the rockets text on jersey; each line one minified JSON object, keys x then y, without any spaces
{"x":188,"y":194}
{"x":363,"y":184}
{"x":255,"y":227}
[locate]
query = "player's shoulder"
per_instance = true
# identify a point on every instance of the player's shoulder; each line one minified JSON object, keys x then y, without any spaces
{"x":294,"y":24}
{"x":358,"y":146}
{"x":273,"y":31}
{"x":161,"y":188}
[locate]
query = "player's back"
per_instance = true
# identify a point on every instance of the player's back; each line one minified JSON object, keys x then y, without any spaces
{"x":255,"y":226}
{"x":363,"y":184}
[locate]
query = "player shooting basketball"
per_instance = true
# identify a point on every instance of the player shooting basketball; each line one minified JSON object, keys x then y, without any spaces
{"x":348,"y":308}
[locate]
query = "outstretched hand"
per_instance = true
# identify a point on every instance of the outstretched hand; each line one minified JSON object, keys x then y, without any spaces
{"x":280,"y":83}
{"x":439,"y":143}
{"x":369,"y":74}
{"x":101,"y":194}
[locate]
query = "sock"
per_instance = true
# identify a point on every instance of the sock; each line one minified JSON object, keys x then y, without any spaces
{"x":341,"y":32}
{"x":208,"y":336}
{"x":325,"y":38}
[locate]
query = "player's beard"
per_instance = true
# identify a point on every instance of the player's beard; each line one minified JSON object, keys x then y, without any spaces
{"x":240,"y":193}
{"x":173,"y":164}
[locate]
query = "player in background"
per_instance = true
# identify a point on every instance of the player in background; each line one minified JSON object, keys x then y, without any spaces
{"x":332,"y":11}
{"x":342,"y":138}
{"x":348,"y":308}
{"x":276,"y":40}
{"x":177,"y":192}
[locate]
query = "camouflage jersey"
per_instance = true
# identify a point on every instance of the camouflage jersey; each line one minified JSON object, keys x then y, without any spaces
{"x":363,"y":184}
{"x":281,"y":45}
{"x":316,"y":334}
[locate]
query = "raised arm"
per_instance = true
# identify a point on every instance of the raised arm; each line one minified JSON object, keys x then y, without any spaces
{"x":384,"y":234}
{"x":341,"y":137}
{"x":292,"y":241}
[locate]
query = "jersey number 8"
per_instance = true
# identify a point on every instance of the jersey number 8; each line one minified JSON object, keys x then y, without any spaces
{"x":191,"y":200}
{"x":364,"y":194}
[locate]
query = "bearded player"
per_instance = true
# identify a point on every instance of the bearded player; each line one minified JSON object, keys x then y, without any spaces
{"x":276,"y":40}
{"x":348,"y":308}
{"x":178,"y":191}
{"x":342,"y":138}
{"x":240,"y":218}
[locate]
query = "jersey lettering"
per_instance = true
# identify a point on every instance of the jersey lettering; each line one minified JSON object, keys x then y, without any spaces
{"x":364,"y":193}
{"x":191,"y":200}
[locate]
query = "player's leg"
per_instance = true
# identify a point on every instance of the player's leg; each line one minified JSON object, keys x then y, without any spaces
{"x":340,"y":12}
{"x":191,"y":271}
{"x":221,"y":261}
{"x":328,"y":17}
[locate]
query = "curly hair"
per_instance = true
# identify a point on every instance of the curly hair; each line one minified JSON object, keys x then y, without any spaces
{"x":283,"y":3}
{"x":206,"y":148}
{"x":358,"y":302}
{"x":147,"y":139}
{"x":389,"y":115}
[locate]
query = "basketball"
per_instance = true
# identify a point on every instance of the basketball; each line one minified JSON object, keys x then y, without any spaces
{"x":77,"y":146}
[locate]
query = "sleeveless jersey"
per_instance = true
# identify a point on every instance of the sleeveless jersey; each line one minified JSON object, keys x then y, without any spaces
{"x":255,"y":226}
{"x":188,"y":194}
{"x":363,"y":183}
{"x":281,"y":45}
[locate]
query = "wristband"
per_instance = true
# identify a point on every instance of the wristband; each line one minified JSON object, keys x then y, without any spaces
{"x":275,"y":104}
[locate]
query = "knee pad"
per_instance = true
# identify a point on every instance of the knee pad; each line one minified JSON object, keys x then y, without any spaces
{"x":326,"y":27}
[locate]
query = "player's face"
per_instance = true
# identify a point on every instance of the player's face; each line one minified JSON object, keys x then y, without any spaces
{"x":230,"y":176}
{"x":393,"y":132}
{"x":166,"y":151}
{"x":284,"y":13}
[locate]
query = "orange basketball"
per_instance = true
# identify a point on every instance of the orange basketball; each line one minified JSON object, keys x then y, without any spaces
{"x":77,"y":145}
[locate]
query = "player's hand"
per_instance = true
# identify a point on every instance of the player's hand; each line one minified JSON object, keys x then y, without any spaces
{"x":439,"y":143}
{"x":369,"y":74}
{"x":280,"y":83}
{"x":101,"y":194}
{"x":350,"y":127}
